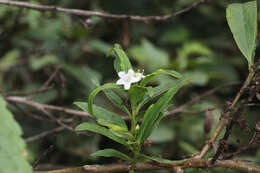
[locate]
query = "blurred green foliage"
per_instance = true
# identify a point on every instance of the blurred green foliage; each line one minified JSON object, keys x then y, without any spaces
{"x":198,"y":43}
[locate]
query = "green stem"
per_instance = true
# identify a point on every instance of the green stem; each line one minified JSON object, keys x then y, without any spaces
{"x":133,"y":164}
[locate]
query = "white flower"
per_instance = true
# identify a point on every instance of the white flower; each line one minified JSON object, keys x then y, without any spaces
{"x":128,"y":78}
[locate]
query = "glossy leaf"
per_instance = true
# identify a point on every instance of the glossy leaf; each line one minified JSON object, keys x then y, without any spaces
{"x":95,"y":92}
{"x":105,"y":117}
{"x":121,"y":62}
{"x":159,"y":72}
{"x":12,"y":146}
{"x":111,"y":153}
{"x":242,"y":20}
{"x":152,"y":115}
{"x":92,"y":127}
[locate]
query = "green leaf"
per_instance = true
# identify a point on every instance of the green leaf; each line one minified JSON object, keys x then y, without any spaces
{"x":242,"y":20}
{"x":157,"y":121}
{"x":123,"y":134}
{"x":37,"y":63}
{"x":136,"y":95}
{"x":111,"y":153}
{"x":158,"y":72}
{"x":116,"y":100}
{"x":100,"y":130}
{"x":162,"y":134}
{"x":177,"y":35}
{"x":12,"y":147}
{"x":199,"y":78}
{"x":85,"y":75}
{"x":99,"y":45}
{"x":95,"y":92}
{"x":190,"y":48}
{"x":150,"y":56}
{"x":187,"y":147}
{"x":155,"y":92}
{"x":121,"y":62}
{"x":152,"y":115}
{"x":9,"y":60}
{"x":105,"y":117}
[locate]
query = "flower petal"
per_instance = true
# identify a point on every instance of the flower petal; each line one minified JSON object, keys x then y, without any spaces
{"x":131,"y":72}
{"x":127,"y":85}
{"x":121,"y":74}
{"x":128,"y":78}
{"x":134,"y":79}
{"x":120,"y":82}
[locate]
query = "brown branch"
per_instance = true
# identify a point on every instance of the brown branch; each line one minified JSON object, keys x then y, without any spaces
{"x":40,"y":106}
{"x":51,"y":78}
{"x":224,"y":116}
{"x":231,"y":123}
{"x":87,"y":13}
{"x":190,"y":163}
{"x":46,"y":86}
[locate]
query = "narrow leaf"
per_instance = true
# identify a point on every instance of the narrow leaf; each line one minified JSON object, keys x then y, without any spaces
{"x":136,"y":95}
{"x":155,"y":92}
{"x":111,"y":153}
{"x":116,"y":100}
{"x":157,"y":121}
{"x":242,"y":20}
{"x":121,"y":62}
{"x":158,"y":72}
{"x":153,"y":113}
{"x":95,"y":92}
{"x":123,"y":134}
{"x":100,"y":130}
{"x":105,"y":117}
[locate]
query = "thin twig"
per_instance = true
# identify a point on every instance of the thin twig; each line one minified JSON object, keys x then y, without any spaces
{"x":51,"y":78}
{"x":43,"y":134}
{"x":58,"y":121}
{"x":40,"y":106}
{"x":46,"y":86}
{"x":27,"y":113}
{"x":87,"y":13}
{"x":198,"y":98}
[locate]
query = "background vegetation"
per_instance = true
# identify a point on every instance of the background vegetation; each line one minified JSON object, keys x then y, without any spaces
{"x":198,"y":43}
